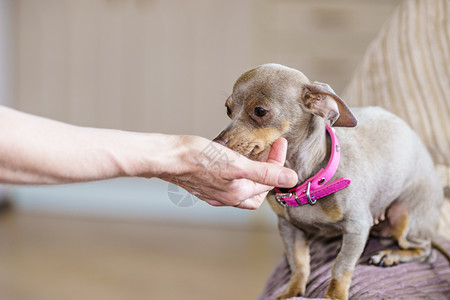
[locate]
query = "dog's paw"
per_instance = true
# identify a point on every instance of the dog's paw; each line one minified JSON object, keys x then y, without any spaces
{"x":293,"y":289}
{"x":290,"y":292}
{"x":386,"y":258}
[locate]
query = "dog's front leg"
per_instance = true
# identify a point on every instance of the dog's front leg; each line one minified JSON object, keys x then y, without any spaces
{"x":353,"y":243}
{"x":297,"y":253}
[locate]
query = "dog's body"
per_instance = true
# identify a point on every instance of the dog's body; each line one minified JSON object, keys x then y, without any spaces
{"x":394,"y":192}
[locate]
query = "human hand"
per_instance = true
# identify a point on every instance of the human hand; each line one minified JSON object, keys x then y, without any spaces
{"x":222,"y":177}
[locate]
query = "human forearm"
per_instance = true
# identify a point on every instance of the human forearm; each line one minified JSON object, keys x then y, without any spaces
{"x":36,"y":150}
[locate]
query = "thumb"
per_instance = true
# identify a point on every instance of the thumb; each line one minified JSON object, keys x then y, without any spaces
{"x":277,"y":154}
{"x":272,"y":173}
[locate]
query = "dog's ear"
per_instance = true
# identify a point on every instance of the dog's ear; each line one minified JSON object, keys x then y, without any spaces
{"x":321,"y":100}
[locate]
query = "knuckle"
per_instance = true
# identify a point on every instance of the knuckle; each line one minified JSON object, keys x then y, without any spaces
{"x":266,"y":176}
{"x":234,"y":202}
{"x":236,"y":188}
{"x":250,"y":204}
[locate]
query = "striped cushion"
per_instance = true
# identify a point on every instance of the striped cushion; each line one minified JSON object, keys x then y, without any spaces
{"x":415,"y":280}
{"x":407,"y":71}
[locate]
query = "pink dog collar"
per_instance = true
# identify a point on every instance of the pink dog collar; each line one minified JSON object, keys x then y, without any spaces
{"x":316,"y":187}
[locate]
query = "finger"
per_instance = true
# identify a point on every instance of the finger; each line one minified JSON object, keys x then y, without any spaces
{"x":277,"y":154}
{"x":214,"y":203}
{"x":272,"y":173}
{"x":241,"y":193}
{"x":252,"y":203}
{"x":241,"y":190}
{"x":232,"y":196}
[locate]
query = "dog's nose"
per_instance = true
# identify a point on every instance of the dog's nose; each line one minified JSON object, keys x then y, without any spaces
{"x":219,"y":141}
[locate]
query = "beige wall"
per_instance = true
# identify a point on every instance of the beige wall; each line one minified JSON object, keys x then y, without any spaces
{"x":168,"y":65}
{"x":5,"y":52}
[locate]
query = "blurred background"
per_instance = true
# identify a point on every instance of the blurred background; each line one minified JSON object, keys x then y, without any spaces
{"x":152,"y":66}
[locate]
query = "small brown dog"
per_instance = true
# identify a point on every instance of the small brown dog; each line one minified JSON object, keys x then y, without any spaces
{"x":394,"y":190}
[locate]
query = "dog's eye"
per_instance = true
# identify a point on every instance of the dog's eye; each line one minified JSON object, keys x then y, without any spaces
{"x":260,"y":112}
{"x":228,"y":110}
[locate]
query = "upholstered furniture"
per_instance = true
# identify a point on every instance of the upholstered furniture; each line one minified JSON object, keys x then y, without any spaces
{"x":406,"y":70}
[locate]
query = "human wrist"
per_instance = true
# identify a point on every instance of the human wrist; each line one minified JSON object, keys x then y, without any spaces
{"x":150,"y":155}
{"x":175,"y":156}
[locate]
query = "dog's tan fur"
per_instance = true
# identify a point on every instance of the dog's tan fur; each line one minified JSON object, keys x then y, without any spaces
{"x":395,"y":191}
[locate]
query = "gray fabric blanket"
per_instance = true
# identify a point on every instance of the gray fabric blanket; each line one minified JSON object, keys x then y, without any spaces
{"x":415,"y":280}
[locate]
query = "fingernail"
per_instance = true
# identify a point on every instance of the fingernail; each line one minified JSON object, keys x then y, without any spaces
{"x":286,"y":179}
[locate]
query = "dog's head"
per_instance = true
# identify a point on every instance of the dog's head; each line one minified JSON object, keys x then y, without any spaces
{"x":271,"y":101}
